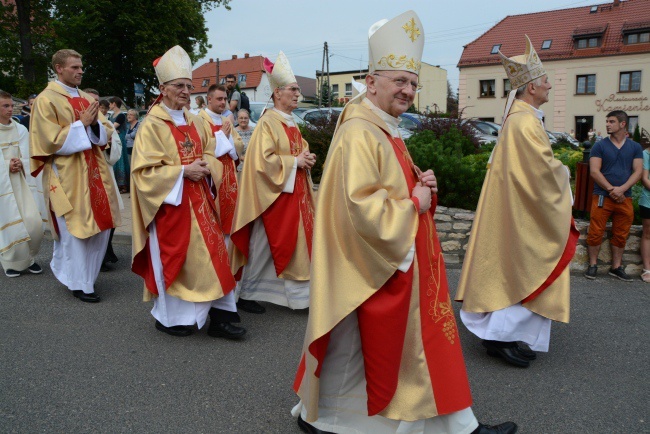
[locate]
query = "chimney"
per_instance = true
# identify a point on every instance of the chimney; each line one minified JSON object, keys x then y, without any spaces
{"x":246,"y":55}
{"x":211,"y":60}
{"x":617,"y":3}
{"x":234,"y":57}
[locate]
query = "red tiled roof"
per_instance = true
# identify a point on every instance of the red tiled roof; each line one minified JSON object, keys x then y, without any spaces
{"x":251,"y":66}
{"x":561,"y":26}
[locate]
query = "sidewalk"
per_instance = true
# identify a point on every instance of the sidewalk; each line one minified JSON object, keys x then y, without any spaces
{"x":123,"y":232}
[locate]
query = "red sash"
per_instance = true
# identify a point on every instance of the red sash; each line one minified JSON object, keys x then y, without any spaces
{"x":227,"y":189}
{"x":173,"y":223}
{"x":282,"y":218}
{"x":98,"y":197}
{"x":439,"y":331}
{"x":382,"y":341}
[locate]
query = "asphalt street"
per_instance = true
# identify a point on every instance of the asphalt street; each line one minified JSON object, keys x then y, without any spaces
{"x":73,"y":367}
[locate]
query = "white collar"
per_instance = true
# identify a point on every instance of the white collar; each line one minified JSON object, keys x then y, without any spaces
{"x":391,"y":122}
{"x":177,"y":115}
{"x":287,"y":117}
{"x":216,"y":118}
{"x":73,"y":91}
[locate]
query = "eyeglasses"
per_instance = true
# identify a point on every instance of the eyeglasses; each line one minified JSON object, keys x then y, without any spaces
{"x":293,"y":89}
{"x":181,"y":86}
{"x":401,"y":83}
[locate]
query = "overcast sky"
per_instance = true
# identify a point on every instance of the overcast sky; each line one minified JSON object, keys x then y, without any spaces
{"x":300,"y":27}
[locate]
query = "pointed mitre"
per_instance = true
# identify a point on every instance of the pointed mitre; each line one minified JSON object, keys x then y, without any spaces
{"x":396,"y":45}
{"x":175,"y":63}
{"x":280,"y":73}
{"x":524,"y":68}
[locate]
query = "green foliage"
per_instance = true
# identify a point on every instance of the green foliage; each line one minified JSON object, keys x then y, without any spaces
{"x":460,"y":176}
{"x":13,"y":61}
{"x":637,"y":134}
{"x":118,"y":40}
{"x":319,"y":136}
{"x":569,"y":157}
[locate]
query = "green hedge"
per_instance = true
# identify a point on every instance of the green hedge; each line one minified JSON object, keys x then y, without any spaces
{"x":460,"y":176}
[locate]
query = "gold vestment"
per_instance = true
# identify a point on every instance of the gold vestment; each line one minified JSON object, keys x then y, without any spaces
{"x":522,"y":224}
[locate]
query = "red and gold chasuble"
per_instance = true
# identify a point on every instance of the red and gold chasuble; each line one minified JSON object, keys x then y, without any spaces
{"x":98,"y":196}
{"x":173,"y":223}
{"x":382,"y":341}
{"x":227,"y":189}
{"x":282,"y":218}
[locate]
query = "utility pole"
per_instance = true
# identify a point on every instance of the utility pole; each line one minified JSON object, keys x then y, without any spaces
{"x":329,"y":83}
{"x":320,"y":83}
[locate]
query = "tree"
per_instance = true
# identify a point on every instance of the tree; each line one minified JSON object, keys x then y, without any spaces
{"x":118,"y":41}
{"x":452,"y":101}
{"x":26,"y":45}
{"x":325,"y":94}
{"x":637,"y":134}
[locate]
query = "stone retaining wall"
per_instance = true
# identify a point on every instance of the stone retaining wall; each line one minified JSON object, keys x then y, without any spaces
{"x":454,"y":226}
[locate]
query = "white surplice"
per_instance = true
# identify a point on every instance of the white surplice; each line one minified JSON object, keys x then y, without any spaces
{"x":22,"y":207}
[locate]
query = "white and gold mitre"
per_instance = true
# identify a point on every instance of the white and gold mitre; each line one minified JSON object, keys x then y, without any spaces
{"x":280,"y":73}
{"x":396,"y":45}
{"x":524,"y":68}
{"x":175,"y":63}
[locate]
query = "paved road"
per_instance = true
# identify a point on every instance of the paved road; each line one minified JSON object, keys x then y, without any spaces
{"x":68,"y":366}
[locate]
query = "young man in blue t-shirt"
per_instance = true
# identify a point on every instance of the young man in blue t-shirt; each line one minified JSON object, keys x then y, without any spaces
{"x":615,"y":164}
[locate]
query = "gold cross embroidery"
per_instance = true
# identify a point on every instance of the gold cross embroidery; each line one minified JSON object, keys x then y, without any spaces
{"x":411,"y":28}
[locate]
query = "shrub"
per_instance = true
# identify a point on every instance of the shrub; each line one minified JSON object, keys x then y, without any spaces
{"x":319,"y":136}
{"x":569,"y":157}
{"x":460,"y":176}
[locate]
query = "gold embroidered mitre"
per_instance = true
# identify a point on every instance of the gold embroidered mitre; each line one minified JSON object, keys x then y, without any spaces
{"x":175,"y":63}
{"x":524,"y":68}
{"x":280,"y":73}
{"x":396,"y":45}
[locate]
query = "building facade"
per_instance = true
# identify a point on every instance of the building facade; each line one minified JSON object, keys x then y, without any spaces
{"x":597,"y":58}
{"x":251,"y":77}
{"x":431,"y":98}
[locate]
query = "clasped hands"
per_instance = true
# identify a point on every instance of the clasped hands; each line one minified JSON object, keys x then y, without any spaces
{"x":426,"y":187}
{"x":196,"y":171}
{"x":89,"y":115}
{"x":15,"y":165}
{"x":617,"y":194}
{"x":306,"y":160}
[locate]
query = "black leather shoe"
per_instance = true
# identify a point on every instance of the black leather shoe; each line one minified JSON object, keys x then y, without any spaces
{"x":310,"y":429}
{"x":503,"y":428}
{"x":526,"y":353}
{"x":88,"y":298}
{"x":250,"y":306}
{"x":179,"y":330}
{"x":225,"y":330}
{"x":35,"y":268}
{"x":507,"y":351}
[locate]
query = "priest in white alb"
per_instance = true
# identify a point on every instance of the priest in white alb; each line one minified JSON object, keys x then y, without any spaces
{"x":22,"y":210}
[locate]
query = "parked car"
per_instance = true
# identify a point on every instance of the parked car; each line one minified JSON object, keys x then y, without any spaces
{"x":312,"y":116}
{"x":566,"y":137}
{"x":484,"y":131}
{"x":257,"y":108}
{"x":410,"y":121}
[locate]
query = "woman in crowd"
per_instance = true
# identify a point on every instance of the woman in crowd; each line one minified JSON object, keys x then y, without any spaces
{"x":245,"y":131}
{"x":132,"y":129}
{"x":644,"y":208}
{"x":121,"y":168}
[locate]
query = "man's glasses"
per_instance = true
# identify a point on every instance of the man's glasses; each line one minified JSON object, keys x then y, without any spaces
{"x":293,"y":89}
{"x":401,"y":82}
{"x":181,"y":86}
